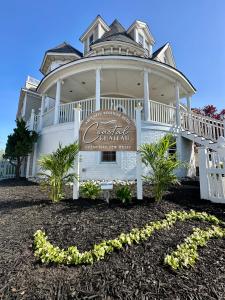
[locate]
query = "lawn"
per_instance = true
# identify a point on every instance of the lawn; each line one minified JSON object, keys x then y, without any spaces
{"x":135,"y":272}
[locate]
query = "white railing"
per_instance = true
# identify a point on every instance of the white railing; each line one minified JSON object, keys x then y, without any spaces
{"x":212,"y":176}
{"x":125,"y":105}
{"x":159,"y":112}
{"x":162,"y":113}
{"x":6,"y":170}
{"x":206,"y":127}
{"x":48,"y":117}
{"x":66,"y":111}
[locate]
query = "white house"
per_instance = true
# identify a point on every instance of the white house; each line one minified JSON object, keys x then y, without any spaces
{"x":118,"y":69}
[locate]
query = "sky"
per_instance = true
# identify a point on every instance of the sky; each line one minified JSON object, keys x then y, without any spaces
{"x":194,"y":28}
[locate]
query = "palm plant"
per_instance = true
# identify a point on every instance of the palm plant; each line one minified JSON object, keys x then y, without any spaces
{"x":161,"y":164}
{"x":56,"y":168}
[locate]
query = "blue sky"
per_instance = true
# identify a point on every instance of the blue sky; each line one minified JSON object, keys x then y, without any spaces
{"x":195,"y":29}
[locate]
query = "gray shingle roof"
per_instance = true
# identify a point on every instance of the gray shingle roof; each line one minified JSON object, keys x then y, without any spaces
{"x":116,"y":33}
{"x":65,"y":48}
{"x":158,"y":51}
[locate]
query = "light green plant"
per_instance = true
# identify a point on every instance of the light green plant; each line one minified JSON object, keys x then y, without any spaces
{"x":45,"y":251}
{"x":161,"y":165}
{"x":123,"y":193}
{"x":187,"y":252}
{"x":56,"y":167}
{"x":90,"y":190}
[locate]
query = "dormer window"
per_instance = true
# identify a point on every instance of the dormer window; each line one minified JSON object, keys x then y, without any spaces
{"x":141,"y":39}
{"x":91,"y":39}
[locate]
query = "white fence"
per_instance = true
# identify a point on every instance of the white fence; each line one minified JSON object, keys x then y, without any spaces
{"x":6,"y":170}
{"x":212,"y":175}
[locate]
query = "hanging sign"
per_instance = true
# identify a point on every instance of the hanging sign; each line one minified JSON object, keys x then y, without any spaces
{"x":107,"y":130}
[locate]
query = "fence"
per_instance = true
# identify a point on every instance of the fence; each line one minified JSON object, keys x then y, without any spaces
{"x":212,"y":175}
{"x":6,"y":170}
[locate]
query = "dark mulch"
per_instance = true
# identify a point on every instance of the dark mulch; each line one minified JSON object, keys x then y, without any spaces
{"x":136,"y":272}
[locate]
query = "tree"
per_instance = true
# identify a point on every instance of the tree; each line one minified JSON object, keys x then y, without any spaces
{"x":19,"y":145}
{"x":210,"y":111}
{"x":161,"y":165}
{"x":56,"y":167}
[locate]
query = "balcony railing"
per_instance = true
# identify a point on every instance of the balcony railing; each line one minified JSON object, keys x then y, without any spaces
{"x":159,"y":112}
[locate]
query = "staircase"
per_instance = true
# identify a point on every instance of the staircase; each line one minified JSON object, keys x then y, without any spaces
{"x":200,"y":129}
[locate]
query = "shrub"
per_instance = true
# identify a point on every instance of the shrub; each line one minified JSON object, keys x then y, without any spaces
{"x":161,"y":165}
{"x":123,"y":193}
{"x":56,"y":166}
{"x":90,"y":190}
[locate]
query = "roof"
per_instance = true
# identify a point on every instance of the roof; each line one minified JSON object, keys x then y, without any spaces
{"x":94,"y":22}
{"x":65,"y":48}
{"x":116,"y":33}
{"x":156,"y":53}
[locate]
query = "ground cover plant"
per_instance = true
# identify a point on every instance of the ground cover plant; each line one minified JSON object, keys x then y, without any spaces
{"x":161,"y":165}
{"x":56,"y":167}
{"x":185,"y":256}
{"x":132,"y":272}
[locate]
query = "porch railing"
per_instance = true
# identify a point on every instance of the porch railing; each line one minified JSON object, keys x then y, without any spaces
{"x":162,"y":113}
{"x":48,"y":117}
{"x":159,"y":112}
{"x":206,"y":127}
{"x":124,"y":105}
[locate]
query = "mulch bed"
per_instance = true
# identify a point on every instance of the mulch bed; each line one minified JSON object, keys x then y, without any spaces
{"x":136,"y":272}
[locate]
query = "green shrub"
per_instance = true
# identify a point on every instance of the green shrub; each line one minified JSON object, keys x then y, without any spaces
{"x":123,"y":193}
{"x":161,"y":165}
{"x":90,"y":190}
{"x":45,"y":251}
{"x":56,"y":166}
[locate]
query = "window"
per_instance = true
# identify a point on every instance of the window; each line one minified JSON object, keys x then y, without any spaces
{"x":91,"y":39}
{"x":140,"y":39}
{"x":108,"y":156}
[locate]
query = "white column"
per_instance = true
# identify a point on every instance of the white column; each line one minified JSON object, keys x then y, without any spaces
{"x":77,"y":112}
{"x":98,"y":88}
{"x":146,"y":95}
{"x":203,"y":174}
{"x":28,"y":166}
{"x":188,"y":103}
{"x":189,"y":111}
{"x":34,"y":160}
{"x":138,"y":155}
{"x":31,"y":127}
{"x":42,"y":111}
{"x":177,"y":91}
{"x":24,"y":105}
{"x":57,"y":101}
